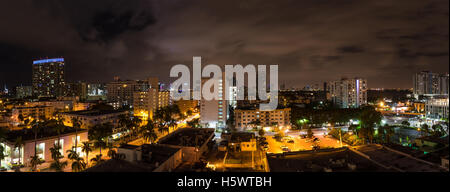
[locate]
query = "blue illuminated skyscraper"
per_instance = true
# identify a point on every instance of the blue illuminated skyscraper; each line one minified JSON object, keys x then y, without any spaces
{"x":48,"y":77}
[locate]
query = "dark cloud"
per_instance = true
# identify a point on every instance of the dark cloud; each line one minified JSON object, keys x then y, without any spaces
{"x":311,"y":40}
{"x":350,"y":49}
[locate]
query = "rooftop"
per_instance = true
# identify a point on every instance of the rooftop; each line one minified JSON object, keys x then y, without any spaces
{"x":189,"y":137}
{"x":396,"y":160}
{"x":46,"y":132}
{"x":440,"y":140}
{"x":238,"y":137}
{"x":338,"y":160}
{"x":159,"y":153}
{"x":94,"y":112}
{"x":116,"y":165}
{"x":152,"y":156}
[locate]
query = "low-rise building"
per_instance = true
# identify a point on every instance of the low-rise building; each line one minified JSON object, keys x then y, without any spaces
{"x":35,"y":112}
{"x":246,"y":118}
{"x":46,"y":139}
{"x":90,"y":118}
{"x":144,"y":158}
{"x":437,"y":107}
{"x":193,"y":141}
{"x":243,"y":141}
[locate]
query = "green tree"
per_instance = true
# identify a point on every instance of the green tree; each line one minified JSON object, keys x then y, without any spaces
{"x":405,"y":123}
{"x":78,"y":164}
{"x":86,"y":148}
{"x":18,"y":145}
{"x":148,"y":132}
{"x":35,"y":161}
{"x":76,"y":123}
{"x":369,"y":119}
{"x":97,"y":160}
{"x":438,"y":131}
{"x":56,"y":156}
{"x":2,"y":154}
{"x":261,"y":132}
{"x":425,"y":130}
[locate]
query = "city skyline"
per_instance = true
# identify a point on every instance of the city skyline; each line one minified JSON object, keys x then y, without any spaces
{"x":312,"y":42}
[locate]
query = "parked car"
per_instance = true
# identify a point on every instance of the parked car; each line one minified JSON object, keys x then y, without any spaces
{"x":285,"y":149}
{"x":291,"y":141}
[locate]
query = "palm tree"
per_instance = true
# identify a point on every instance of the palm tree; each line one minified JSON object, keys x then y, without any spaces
{"x":78,"y":164}
{"x":59,"y":128}
{"x":97,"y":160}
{"x":72,"y":154}
{"x":56,"y":156}
{"x":86,"y":148}
{"x":55,"y":152}
{"x":437,"y":130}
{"x":58,"y":166}
{"x":18,"y":145}
{"x":76,"y":123}
{"x":148,"y":132}
{"x":36,"y":128}
{"x":35,"y":161}
{"x":112,"y":153}
{"x":124,"y":121}
{"x":98,"y":133}
{"x":425,"y":129}
{"x":2,"y":149}
{"x":2,"y":154}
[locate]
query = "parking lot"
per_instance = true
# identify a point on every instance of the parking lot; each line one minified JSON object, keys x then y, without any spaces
{"x":299,"y":143}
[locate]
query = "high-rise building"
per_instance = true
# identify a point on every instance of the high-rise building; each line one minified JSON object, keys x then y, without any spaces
{"x":428,"y":83}
{"x":214,"y":113}
{"x":121,"y":91}
{"x":24,"y":91}
{"x":48,"y":77}
{"x":78,"y":89}
{"x":348,"y":93}
{"x":145,"y":103}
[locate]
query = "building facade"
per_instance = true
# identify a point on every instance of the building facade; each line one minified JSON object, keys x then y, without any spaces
{"x":24,"y":92}
{"x":428,"y":83}
{"x":348,"y":93}
{"x":43,"y":145}
{"x":245,"y":118}
{"x":121,"y":91}
{"x":90,"y":118}
{"x":35,"y":112}
{"x":48,"y":77}
{"x":145,"y":103}
{"x":214,"y":113}
{"x":437,"y":107}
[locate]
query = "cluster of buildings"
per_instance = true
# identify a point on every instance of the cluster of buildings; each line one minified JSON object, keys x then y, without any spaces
{"x":347,"y":93}
{"x":431,"y":89}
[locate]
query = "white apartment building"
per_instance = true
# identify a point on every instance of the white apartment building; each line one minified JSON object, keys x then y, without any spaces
{"x":244,"y":118}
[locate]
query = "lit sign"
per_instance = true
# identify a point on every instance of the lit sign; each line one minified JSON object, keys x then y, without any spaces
{"x":48,"y":60}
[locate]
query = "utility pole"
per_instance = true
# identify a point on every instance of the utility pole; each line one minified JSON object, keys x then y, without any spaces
{"x":340,"y":136}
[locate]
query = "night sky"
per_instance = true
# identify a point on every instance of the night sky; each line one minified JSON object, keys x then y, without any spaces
{"x":311,"y":40}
